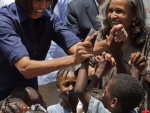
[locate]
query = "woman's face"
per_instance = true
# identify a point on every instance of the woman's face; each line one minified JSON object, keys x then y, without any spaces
{"x":39,"y":6}
{"x":120,"y":13}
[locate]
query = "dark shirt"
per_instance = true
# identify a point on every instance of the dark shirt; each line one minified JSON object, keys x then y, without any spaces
{"x":21,"y":36}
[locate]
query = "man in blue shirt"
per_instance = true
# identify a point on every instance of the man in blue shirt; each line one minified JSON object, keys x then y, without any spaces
{"x":26,"y":31}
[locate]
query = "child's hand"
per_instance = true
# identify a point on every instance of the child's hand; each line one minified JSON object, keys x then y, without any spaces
{"x":104,"y":64}
{"x":138,"y":63}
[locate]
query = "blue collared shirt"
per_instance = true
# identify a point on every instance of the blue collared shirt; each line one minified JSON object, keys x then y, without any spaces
{"x":21,"y":36}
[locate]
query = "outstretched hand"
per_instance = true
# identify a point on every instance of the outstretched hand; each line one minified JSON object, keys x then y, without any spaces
{"x":116,"y":38}
{"x":84,"y":49}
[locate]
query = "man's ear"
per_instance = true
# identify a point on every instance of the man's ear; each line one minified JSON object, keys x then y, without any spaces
{"x":114,"y":102}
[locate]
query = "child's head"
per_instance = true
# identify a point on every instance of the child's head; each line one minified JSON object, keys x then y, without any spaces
{"x":66,"y":80}
{"x":122,"y":94}
{"x":29,"y":95}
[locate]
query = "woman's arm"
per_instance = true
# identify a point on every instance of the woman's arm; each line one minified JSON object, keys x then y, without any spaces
{"x":32,"y":68}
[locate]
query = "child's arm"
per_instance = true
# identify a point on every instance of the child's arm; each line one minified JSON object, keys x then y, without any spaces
{"x":104,"y":64}
{"x":81,"y":84}
{"x":82,"y":79}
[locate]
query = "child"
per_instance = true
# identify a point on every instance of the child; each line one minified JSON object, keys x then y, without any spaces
{"x":66,"y":81}
{"x":122,"y":94}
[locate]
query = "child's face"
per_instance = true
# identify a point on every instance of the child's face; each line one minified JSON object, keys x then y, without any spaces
{"x":66,"y":84}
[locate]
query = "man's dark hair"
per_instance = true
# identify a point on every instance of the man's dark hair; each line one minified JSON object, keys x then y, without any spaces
{"x":27,"y":5}
{"x":128,"y":90}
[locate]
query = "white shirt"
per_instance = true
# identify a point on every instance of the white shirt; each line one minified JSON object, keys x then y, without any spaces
{"x":54,"y":52}
{"x":5,"y":2}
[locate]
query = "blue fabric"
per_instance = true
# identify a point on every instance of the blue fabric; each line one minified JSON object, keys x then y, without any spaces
{"x":57,"y":108}
{"x":21,"y":36}
{"x":96,"y":106}
{"x":61,"y":9}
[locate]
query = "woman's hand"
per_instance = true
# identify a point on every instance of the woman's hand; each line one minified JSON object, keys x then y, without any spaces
{"x":84,"y":49}
{"x":116,"y":38}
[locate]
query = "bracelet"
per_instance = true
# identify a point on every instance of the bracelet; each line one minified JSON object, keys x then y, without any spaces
{"x":147,"y":73}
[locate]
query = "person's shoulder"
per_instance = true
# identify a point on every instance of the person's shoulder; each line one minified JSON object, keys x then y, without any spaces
{"x":55,"y":107}
{"x":96,"y":106}
{"x":8,"y":10}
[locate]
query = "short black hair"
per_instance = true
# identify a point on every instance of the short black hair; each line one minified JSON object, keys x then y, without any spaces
{"x":65,"y":72}
{"x":128,"y":90}
{"x":27,"y":5}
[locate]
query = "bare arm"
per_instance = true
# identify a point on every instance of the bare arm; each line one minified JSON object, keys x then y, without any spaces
{"x":32,"y":68}
{"x":99,"y":47}
{"x":81,"y":84}
{"x":103,"y":67}
{"x":115,"y":44}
